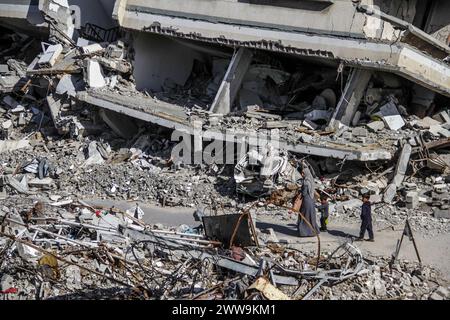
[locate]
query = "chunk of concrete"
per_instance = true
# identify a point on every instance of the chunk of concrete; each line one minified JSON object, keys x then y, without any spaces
{"x":116,"y":50}
{"x":94,"y":155}
{"x":359,"y":132}
{"x":4,"y":68}
{"x":7,"y":125}
{"x":443,"y":292}
{"x":412,"y":200}
{"x":51,"y":54}
{"x":94,"y":74}
{"x":92,"y":48}
{"x":309,"y":124}
{"x":400,"y":171}
{"x":73,"y":277}
{"x":305,"y":138}
{"x":427,"y":123}
{"x":55,"y":108}
{"x":442,"y":117}
{"x":39,"y":183}
{"x":376,"y":126}
{"x":438,"y":130}
{"x":69,"y":84}
{"x":7,"y":83}
{"x":376,"y":198}
{"x":122,"y":125}
{"x":11,"y":145}
{"x":391,"y":117}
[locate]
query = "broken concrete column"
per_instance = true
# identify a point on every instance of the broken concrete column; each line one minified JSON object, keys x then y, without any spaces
{"x":120,"y":124}
{"x":400,"y":171}
{"x":55,"y":109}
{"x":350,"y":99}
{"x":232,"y":81}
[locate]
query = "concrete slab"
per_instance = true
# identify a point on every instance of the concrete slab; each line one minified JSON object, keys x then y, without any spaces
{"x":174,"y":117}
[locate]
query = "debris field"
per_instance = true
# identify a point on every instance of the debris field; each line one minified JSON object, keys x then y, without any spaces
{"x":79,"y":122}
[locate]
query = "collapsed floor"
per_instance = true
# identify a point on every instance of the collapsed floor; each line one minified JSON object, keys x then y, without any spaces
{"x":58,"y":151}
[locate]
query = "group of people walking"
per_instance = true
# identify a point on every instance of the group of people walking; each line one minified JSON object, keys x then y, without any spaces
{"x":305,"y":205}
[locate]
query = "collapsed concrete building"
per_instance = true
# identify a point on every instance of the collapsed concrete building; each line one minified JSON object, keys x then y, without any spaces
{"x":91,"y":91}
{"x":295,"y":65}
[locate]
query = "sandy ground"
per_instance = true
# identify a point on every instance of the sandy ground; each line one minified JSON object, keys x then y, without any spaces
{"x":433,"y":251}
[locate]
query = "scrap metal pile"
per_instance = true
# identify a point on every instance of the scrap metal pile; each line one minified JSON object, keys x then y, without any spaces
{"x":76,"y":251}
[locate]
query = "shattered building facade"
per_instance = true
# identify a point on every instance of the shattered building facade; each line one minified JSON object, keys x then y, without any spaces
{"x":340,"y":84}
{"x":257,"y":59}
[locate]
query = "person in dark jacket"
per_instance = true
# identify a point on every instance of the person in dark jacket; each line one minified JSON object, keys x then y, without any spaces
{"x":324,"y":212}
{"x":366,"y":219}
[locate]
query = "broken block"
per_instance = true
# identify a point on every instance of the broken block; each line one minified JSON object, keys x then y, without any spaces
{"x":69,"y":84}
{"x":4,"y":68}
{"x":360,"y":132}
{"x":92,"y":48}
{"x":391,"y":117}
{"x":442,"y":117}
{"x":94,"y":75}
{"x":309,"y":124}
{"x":51,"y":54}
{"x":7,"y":125}
{"x":438,"y":130}
{"x":412,"y":200}
{"x":427,"y":123}
{"x":39,"y":183}
{"x":116,"y":51}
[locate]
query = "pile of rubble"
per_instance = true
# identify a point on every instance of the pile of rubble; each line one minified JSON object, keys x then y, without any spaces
{"x":71,"y":250}
{"x":403,"y":280}
{"x":58,"y":150}
{"x":75,"y":169}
